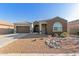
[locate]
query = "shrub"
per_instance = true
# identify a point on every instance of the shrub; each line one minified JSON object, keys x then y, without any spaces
{"x":64,"y":34}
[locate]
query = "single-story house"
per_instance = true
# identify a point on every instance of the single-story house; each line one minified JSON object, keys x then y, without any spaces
{"x":6,"y":27}
{"x":50,"y":26}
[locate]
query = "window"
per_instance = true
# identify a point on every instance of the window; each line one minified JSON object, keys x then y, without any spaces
{"x":57,"y":27}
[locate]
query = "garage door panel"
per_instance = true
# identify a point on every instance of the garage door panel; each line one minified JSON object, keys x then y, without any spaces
{"x":22,"y":29}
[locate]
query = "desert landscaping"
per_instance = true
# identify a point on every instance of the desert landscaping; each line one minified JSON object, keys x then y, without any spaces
{"x":33,"y":43}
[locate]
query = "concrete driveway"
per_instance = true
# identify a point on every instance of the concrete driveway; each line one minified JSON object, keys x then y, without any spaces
{"x":8,"y":38}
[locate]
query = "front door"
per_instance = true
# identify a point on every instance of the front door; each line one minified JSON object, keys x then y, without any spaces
{"x":36,"y":28}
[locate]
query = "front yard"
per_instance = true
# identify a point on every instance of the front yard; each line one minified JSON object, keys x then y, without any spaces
{"x":29,"y":45}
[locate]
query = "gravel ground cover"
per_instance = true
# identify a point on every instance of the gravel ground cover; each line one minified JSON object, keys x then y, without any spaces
{"x":37,"y":45}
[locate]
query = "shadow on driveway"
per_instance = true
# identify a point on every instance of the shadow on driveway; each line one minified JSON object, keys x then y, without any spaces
{"x":26,"y":35}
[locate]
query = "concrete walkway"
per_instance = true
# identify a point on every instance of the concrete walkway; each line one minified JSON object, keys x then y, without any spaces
{"x":9,"y":38}
{"x":5,"y":41}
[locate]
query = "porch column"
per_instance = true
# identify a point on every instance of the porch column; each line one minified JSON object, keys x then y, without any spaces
{"x":31,"y":28}
{"x":14,"y":29}
{"x":40,"y":28}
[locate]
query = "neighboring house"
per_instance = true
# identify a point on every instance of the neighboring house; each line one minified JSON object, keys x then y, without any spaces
{"x":73,"y":27}
{"x":6,"y":27}
{"x":50,"y":26}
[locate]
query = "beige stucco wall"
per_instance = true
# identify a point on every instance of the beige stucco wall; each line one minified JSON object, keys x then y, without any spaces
{"x":6,"y":27}
{"x":73,"y":27}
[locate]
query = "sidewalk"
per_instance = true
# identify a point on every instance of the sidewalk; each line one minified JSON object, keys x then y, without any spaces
{"x":5,"y":40}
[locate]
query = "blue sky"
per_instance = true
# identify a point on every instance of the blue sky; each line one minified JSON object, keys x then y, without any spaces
{"x":15,"y":12}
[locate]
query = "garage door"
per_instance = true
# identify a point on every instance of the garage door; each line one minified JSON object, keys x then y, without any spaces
{"x":22,"y":29}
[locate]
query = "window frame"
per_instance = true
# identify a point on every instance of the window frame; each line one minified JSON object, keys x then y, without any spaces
{"x":58,"y":28}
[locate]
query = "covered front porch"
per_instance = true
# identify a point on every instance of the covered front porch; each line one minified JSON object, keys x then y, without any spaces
{"x":40,"y":27}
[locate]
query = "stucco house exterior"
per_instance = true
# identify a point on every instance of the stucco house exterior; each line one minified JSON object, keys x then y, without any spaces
{"x":50,"y":26}
{"x":6,"y":27}
{"x":73,"y":27}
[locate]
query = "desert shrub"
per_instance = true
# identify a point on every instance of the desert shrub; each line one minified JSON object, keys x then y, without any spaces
{"x":64,"y":34}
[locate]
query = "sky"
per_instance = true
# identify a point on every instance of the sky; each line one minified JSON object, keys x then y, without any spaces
{"x":17,"y":12}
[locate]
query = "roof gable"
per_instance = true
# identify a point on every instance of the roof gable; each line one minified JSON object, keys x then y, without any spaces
{"x":58,"y":18}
